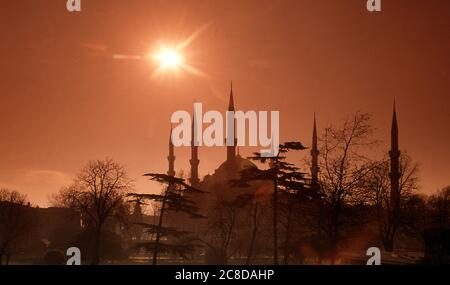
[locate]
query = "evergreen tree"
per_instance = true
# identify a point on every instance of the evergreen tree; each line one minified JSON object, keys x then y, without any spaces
{"x":177,"y":197}
{"x":284,"y":176}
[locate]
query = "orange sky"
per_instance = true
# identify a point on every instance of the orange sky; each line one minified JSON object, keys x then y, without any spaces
{"x":65,"y":100}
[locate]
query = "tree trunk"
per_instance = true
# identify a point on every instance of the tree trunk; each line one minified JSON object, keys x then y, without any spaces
{"x":253,"y":238}
{"x":334,"y":235}
{"x":389,"y":230}
{"x":388,"y":246}
{"x":320,"y":249}
{"x":158,"y":230}
{"x":388,"y":240}
{"x":287,"y":239}
{"x":333,"y":252}
{"x":275,"y":223}
{"x":96,"y":249}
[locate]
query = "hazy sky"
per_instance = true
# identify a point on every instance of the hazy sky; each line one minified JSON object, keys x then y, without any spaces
{"x":64,"y":100}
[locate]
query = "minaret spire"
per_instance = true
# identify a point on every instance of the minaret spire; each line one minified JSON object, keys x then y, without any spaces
{"x":394,"y":155}
{"x":231,"y":150}
{"x":171,"y":157}
{"x":194,"y":155}
{"x":394,"y":130}
{"x":314,"y":159}
{"x":231,"y":101}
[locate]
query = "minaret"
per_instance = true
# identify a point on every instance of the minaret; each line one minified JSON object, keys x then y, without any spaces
{"x":171,"y":157}
{"x":137,"y":212}
{"x":394,"y":154}
{"x":194,"y":156}
{"x":314,"y":159}
{"x":136,"y":218}
{"x":231,"y":150}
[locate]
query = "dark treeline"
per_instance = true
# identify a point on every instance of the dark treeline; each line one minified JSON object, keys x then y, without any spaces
{"x":272,"y":212}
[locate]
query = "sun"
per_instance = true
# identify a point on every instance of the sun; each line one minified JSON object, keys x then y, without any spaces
{"x":169,"y":58}
{"x":172,"y":58}
{"x":175,"y":58}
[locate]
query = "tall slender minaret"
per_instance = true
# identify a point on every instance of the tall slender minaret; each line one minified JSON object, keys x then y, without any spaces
{"x":394,"y":154}
{"x":171,"y":157}
{"x":194,"y":155}
{"x":314,"y":159}
{"x":231,"y":150}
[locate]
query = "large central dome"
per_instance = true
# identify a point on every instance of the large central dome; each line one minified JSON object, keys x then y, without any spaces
{"x":229,"y":169}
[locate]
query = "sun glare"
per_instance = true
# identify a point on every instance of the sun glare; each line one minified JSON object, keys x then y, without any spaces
{"x":169,"y":58}
{"x":175,"y":58}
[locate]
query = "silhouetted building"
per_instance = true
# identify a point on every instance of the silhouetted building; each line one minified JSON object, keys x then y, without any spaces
{"x":171,"y":157}
{"x":136,"y":230}
{"x":194,"y":161}
{"x":315,"y":160}
{"x":231,"y":149}
{"x":394,"y":155}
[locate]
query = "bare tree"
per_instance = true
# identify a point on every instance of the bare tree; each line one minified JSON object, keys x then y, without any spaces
{"x":389,"y":216}
{"x":439,"y":208}
{"x":254,"y":212}
{"x":221,"y":232}
{"x":16,"y":222}
{"x":416,"y":216}
{"x":284,"y":176}
{"x":344,"y":167}
{"x":98,"y":193}
{"x":295,"y":231}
